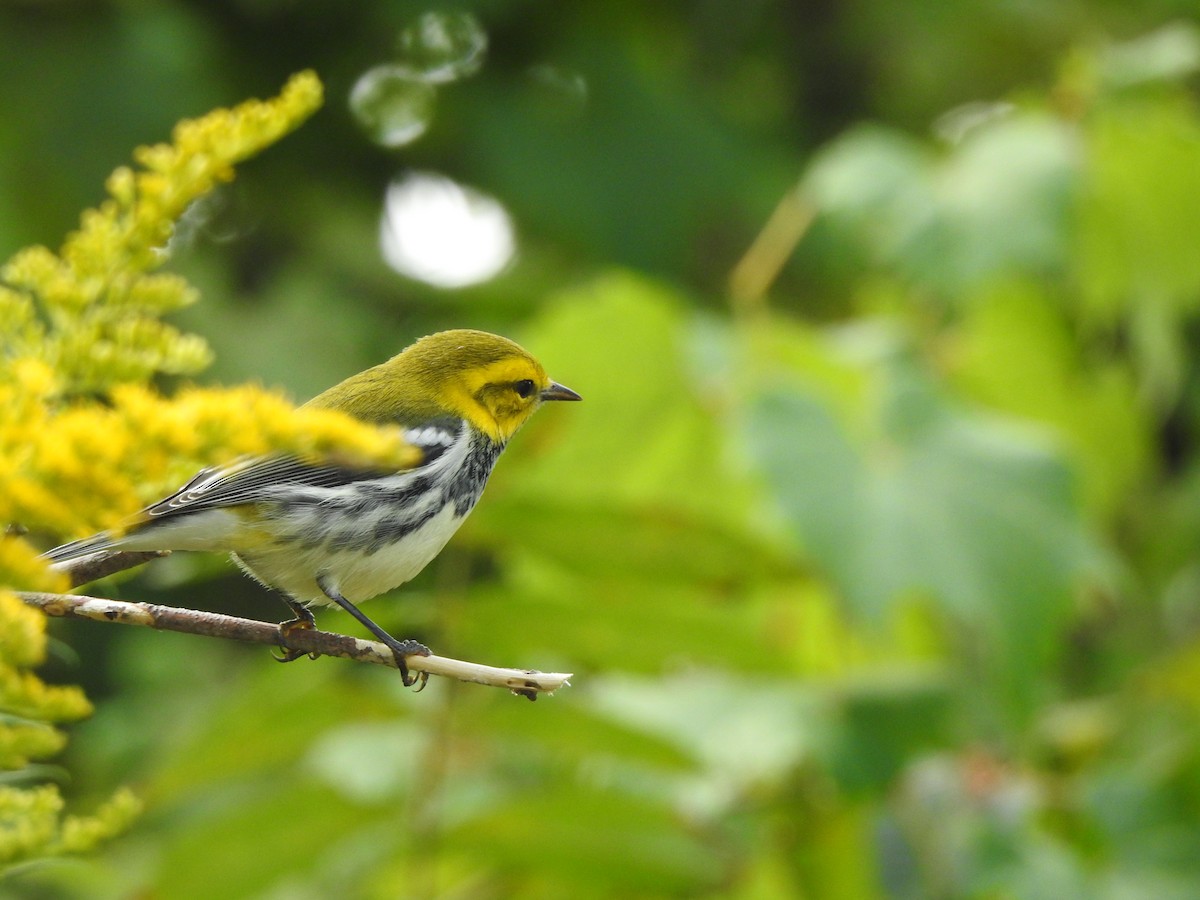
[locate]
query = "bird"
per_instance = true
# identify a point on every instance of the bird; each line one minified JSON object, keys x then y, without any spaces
{"x":324,"y":534}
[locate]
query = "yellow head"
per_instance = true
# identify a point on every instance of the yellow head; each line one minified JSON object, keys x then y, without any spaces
{"x":484,"y":378}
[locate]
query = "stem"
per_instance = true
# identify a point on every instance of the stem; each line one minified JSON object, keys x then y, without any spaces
{"x":757,"y":270}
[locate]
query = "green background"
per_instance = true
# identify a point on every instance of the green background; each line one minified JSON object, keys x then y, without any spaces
{"x":884,"y":583}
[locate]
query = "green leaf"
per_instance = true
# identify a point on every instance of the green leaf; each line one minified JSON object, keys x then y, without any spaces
{"x":1015,"y":351}
{"x":648,"y":433}
{"x":1137,"y":211}
{"x":980,"y":517}
{"x":997,"y":203}
{"x":1169,"y":53}
{"x":747,"y":731}
{"x":1004,"y":196}
{"x":589,"y":841}
{"x":241,"y":832}
{"x":651,"y":541}
{"x":568,"y":730}
{"x":884,"y":724}
{"x":547,"y":615}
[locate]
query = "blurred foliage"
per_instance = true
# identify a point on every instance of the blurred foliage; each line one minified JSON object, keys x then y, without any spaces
{"x":878,"y":579}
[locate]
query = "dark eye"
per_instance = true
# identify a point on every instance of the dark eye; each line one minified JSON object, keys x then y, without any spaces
{"x":524,"y":387}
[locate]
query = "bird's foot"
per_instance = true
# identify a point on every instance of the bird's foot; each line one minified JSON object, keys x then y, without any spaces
{"x":401,"y":650}
{"x":304,"y":621}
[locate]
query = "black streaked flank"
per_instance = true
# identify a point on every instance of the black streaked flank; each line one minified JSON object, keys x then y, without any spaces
{"x":465,"y":489}
{"x":411,"y":503}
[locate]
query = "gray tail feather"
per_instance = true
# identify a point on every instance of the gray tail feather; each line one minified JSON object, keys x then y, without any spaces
{"x":81,"y":548}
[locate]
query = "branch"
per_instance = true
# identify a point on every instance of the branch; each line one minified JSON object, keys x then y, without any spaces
{"x":523,"y":682}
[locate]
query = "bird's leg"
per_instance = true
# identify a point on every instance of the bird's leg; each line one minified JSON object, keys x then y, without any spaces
{"x":304,"y":621}
{"x":400,"y":649}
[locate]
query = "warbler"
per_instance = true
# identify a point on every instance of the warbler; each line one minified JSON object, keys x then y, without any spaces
{"x":325,"y":534}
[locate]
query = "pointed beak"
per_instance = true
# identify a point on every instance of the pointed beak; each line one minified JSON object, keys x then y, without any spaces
{"x":557,"y":391}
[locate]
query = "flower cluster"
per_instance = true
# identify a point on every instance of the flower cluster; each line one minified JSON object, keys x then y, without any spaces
{"x":85,"y":439}
{"x":92,"y":311}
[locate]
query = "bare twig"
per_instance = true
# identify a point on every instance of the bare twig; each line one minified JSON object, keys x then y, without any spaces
{"x":525,"y":683}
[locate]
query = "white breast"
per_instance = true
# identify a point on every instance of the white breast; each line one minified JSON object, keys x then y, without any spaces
{"x":359,"y":577}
